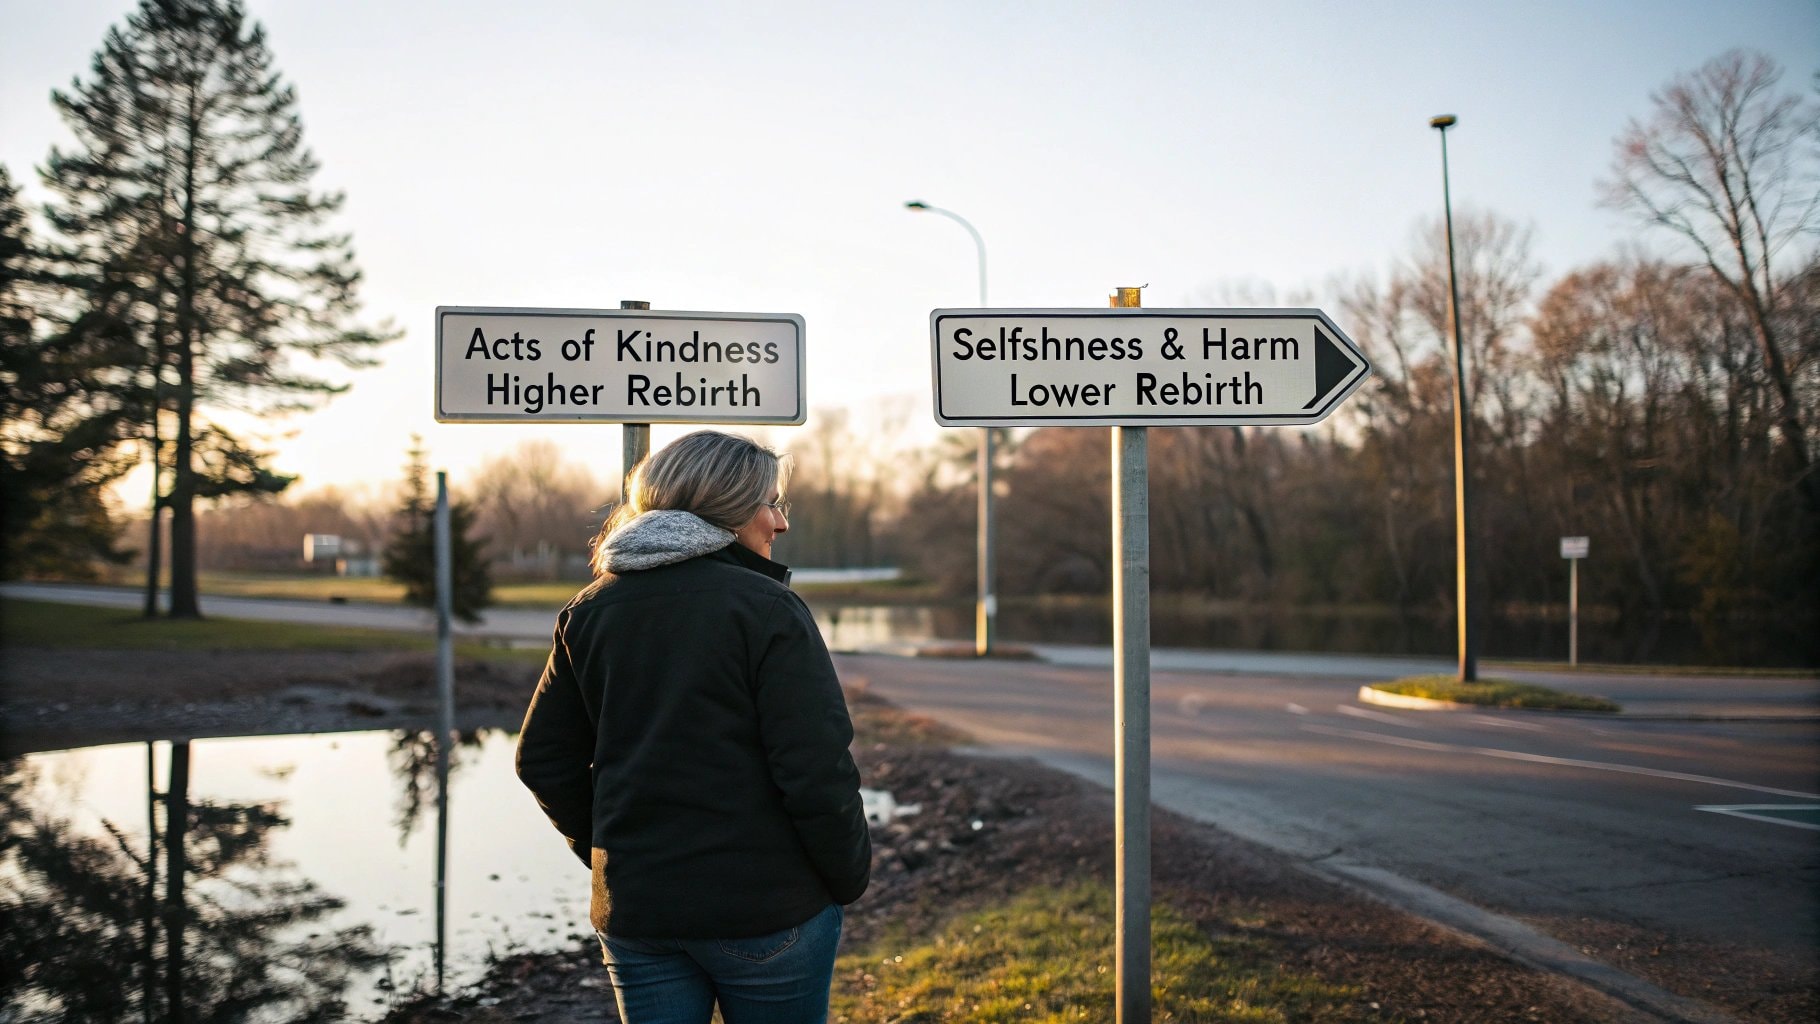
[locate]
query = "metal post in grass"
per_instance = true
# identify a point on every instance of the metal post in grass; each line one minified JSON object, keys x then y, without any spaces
{"x":1131,"y":706}
{"x":445,"y":718}
{"x":1573,"y":549}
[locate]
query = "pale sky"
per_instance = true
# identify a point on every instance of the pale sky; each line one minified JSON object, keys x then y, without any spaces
{"x":755,"y":157}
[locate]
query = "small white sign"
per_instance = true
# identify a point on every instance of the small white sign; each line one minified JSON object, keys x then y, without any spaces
{"x":1575,"y":547}
{"x":502,"y":364}
{"x":1140,"y":367}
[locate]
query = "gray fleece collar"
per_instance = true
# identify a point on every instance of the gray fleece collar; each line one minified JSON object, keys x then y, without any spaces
{"x":661,"y":538}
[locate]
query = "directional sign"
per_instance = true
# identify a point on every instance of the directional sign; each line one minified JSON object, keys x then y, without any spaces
{"x":498,"y":364}
{"x":1140,"y":367}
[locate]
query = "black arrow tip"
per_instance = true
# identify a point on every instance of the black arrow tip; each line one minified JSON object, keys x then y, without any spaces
{"x":1332,"y":365}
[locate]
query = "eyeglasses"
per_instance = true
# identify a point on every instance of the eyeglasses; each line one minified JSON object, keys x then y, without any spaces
{"x":780,"y":506}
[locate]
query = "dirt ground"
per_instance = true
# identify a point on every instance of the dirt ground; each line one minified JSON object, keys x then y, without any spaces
{"x":59,"y":698}
{"x":987,"y":829}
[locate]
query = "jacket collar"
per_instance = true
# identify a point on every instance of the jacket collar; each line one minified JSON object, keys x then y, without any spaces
{"x":661,"y":537}
{"x":745,"y":557}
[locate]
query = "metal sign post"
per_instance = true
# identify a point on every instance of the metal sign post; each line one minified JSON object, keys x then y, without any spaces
{"x":1131,"y":707}
{"x":1130,"y":368}
{"x":1573,"y":549}
{"x":634,"y":438}
{"x":445,"y":692}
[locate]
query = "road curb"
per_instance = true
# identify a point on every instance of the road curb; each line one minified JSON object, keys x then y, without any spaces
{"x":1372,"y":695}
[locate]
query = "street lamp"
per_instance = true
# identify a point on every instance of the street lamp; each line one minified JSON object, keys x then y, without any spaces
{"x":1467,"y":613}
{"x":986,"y":611}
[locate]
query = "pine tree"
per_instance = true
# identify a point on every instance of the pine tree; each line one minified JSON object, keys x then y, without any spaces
{"x":62,"y":419}
{"x":189,"y":206}
{"x":410,"y":556}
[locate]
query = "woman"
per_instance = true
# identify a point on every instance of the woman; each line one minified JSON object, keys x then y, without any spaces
{"x":689,"y":739}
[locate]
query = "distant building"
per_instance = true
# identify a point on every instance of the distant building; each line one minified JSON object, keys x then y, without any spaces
{"x":361,"y":565}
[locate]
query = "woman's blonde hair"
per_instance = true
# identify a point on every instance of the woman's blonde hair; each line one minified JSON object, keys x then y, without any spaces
{"x":722,"y":478}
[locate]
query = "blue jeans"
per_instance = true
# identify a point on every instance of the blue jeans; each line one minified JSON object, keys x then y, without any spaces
{"x":781,"y":978}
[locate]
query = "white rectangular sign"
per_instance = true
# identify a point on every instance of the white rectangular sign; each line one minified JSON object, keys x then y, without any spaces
{"x":1140,"y":367}
{"x":1575,"y":547}
{"x":502,"y":364}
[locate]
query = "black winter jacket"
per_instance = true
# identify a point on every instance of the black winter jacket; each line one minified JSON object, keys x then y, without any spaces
{"x":689,"y":738}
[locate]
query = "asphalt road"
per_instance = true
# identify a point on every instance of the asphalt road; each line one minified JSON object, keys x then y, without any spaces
{"x":1690,"y":821}
{"x":1569,"y":823}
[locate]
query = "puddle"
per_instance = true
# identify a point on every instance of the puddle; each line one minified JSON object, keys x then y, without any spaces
{"x":855,"y":627}
{"x":310,"y":875}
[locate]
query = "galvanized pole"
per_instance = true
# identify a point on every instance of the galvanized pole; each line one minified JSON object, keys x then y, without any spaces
{"x":1131,"y":707}
{"x":634,"y":438}
{"x":986,"y":614}
{"x":445,"y":719}
{"x":1462,"y":503}
{"x":985,"y":629}
{"x":1573,"y":611}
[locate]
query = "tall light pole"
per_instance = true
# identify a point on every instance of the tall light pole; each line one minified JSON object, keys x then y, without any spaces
{"x":987,"y":609}
{"x":1462,"y":499}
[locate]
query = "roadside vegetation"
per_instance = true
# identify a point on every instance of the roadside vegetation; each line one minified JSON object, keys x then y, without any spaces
{"x":1496,"y":693}
{"x":1047,"y":957}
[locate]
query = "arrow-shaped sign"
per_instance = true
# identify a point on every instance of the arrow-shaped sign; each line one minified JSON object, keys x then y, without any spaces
{"x":1332,"y":366}
{"x":1135,"y":367}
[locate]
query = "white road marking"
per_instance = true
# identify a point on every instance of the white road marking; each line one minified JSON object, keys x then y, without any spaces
{"x":1295,"y":709}
{"x":1376,"y":716}
{"x":1566,"y":762}
{"x":1743,"y":811}
{"x":1503,"y":723}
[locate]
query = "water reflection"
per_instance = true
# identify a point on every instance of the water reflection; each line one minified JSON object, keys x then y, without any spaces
{"x":91,"y":935}
{"x":413,"y":760}
{"x":269,"y":878}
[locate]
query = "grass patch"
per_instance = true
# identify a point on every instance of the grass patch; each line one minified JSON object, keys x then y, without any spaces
{"x":872,"y":593}
{"x":1611,"y":668}
{"x":1047,"y":957}
{"x":75,"y":626}
{"x":301,"y":586}
{"x":1496,"y":693}
{"x":551,"y":594}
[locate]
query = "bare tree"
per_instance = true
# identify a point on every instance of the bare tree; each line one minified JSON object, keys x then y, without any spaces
{"x":539,"y":508}
{"x":1732,"y":166}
